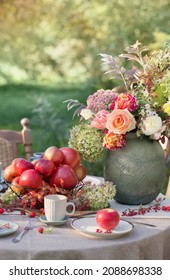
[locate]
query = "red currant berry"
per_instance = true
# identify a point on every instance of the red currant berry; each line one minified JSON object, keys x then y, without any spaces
{"x":164,"y":208}
{"x":32,"y":214}
{"x":42,"y":211}
{"x":1,"y":210}
{"x":40,"y":229}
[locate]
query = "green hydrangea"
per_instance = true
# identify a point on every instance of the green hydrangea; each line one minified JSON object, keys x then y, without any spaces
{"x":8,"y":197}
{"x":98,"y":195}
{"x":88,"y":141}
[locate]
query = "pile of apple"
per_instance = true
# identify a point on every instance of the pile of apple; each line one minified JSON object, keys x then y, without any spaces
{"x":59,"y":170}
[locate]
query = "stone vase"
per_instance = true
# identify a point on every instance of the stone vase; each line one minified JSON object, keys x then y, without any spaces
{"x":138,"y":170}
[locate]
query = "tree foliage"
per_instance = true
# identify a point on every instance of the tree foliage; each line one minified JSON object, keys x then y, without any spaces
{"x":49,"y":40}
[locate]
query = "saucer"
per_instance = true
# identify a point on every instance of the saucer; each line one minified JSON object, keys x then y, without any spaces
{"x":43,"y":219}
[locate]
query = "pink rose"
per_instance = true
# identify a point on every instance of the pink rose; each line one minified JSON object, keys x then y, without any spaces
{"x":100,"y":119}
{"x":120,"y":121}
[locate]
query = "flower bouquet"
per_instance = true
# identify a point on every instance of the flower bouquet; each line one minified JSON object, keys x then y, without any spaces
{"x":140,"y":104}
{"x":128,"y":122}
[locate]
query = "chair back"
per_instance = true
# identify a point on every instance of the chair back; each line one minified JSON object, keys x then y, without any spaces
{"x":10,"y":141}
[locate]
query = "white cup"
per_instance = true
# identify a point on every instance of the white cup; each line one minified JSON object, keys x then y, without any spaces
{"x":55,"y":206}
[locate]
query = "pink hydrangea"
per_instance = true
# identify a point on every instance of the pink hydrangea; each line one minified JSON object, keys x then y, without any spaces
{"x":124,"y":101}
{"x":100,"y":119}
{"x":101,"y":100}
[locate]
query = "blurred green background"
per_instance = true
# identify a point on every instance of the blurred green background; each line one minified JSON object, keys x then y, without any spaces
{"x":49,"y":53}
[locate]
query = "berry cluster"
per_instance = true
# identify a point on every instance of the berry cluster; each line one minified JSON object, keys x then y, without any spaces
{"x":144,"y":210}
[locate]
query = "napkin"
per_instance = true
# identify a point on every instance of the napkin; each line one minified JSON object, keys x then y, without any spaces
{"x":152,"y":214}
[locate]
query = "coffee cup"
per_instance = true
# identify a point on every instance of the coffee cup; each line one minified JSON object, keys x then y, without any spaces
{"x":36,"y":155}
{"x":56,"y":207}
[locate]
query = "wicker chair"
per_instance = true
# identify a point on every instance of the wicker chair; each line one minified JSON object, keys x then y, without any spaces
{"x":10,"y":141}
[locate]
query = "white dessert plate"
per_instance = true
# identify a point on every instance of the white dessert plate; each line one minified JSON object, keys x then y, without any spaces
{"x":9,"y":229}
{"x":43,"y":219}
{"x":93,"y":179}
{"x":87,"y":226}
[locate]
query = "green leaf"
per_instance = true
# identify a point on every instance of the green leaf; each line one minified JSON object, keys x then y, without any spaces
{"x":162,"y":95}
{"x":72,"y":103}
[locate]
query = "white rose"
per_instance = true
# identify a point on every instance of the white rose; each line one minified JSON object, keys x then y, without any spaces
{"x":151,"y":124}
{"x":86,"y":114}
{"x":157,"y":135}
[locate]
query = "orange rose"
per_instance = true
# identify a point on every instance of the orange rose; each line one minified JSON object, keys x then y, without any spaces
{"x":120,"y":121}
{"x":113,"y":141}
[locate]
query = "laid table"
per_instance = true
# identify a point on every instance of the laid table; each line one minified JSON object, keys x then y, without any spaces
{"x":66,"y":243}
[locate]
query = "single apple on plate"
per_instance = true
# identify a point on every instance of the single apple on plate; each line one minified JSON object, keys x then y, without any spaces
{"x":107,"y":219}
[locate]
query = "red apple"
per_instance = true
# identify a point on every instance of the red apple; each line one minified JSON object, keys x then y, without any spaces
{"x":81,"y":172}
{"x":15,"y":186}
{"x":54,"y":154}
{"x":30,"y":178}
{"x":45,"y":167}
{"x":21,"y":165}
{"x":64,"y":177}
{"x":15,"y":181}
{"x":34,"y":161}
{"x":107,"y":218}
{"x":10,"y":173}
{"x":71,"y":157}
{"x":15,"y":160}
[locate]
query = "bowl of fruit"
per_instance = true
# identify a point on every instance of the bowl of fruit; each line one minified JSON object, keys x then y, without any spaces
{"x":59,"y":170}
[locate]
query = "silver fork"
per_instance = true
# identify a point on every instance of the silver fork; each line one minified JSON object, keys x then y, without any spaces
{"x":29,"y":226}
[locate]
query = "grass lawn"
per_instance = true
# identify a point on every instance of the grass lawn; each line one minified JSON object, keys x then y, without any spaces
{"x":18,"y":101}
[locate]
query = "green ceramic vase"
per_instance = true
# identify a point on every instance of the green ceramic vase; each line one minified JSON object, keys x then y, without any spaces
{"x":138,"y":170}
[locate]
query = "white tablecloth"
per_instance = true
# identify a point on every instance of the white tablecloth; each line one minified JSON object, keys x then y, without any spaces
{"x":64,"y":242}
